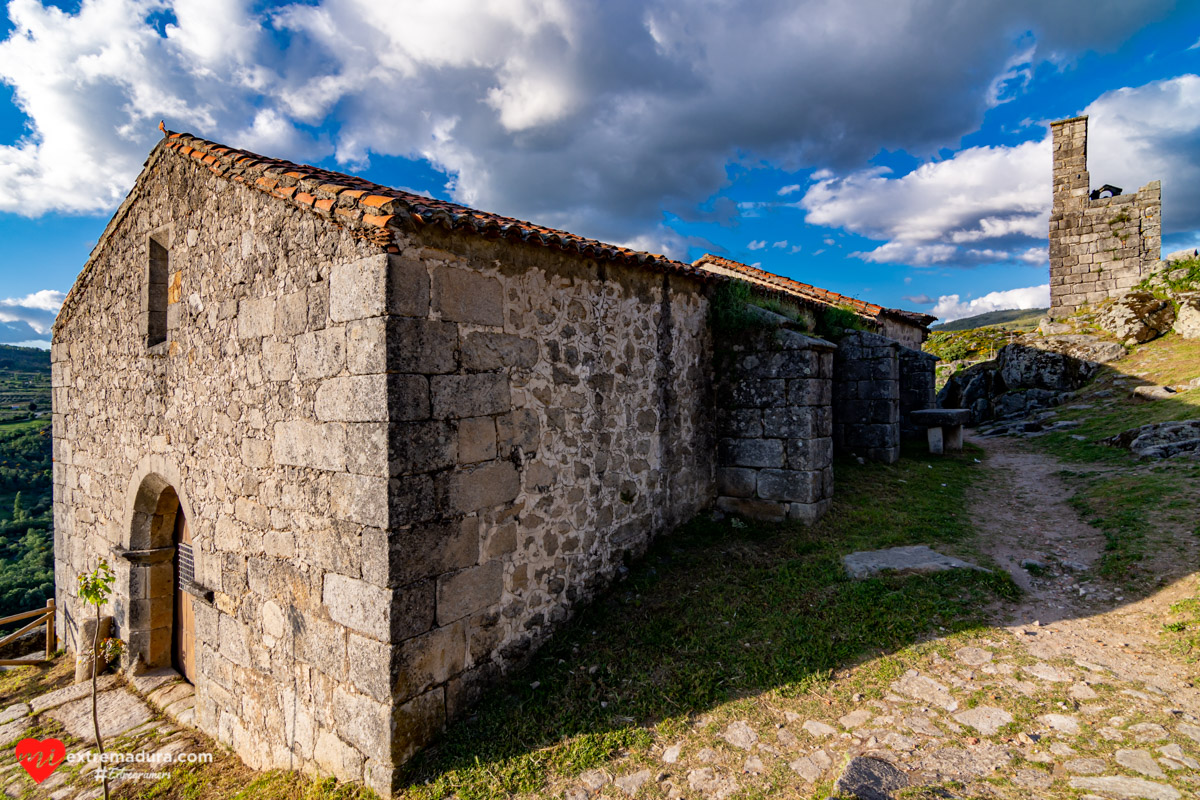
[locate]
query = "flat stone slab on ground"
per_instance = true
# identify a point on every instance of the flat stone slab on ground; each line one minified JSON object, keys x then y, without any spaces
{"x":1123,"y":788}
{"x":912,"y":559}
{"x":870,"y":779}
{"x":119,"y":711}
{"x":70,"y":693}
{"x":985,"y":719}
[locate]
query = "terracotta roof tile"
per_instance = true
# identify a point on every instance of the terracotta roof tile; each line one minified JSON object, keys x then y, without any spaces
{"x":808,"y":292}
{"x":372,"y":212}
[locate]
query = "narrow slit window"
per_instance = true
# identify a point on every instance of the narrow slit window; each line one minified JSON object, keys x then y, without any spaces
{"x":156,"y":305}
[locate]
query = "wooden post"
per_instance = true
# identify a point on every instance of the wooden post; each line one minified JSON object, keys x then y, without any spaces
{"x":50,"y":637}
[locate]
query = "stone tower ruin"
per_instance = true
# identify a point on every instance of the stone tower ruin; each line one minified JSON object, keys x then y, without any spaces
{"x":1101,"y":242}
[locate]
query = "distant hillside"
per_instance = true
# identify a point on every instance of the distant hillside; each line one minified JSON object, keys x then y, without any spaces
{"x":24,"y":379}
{"x":26,"y":523}
{"x":1012,"y":319}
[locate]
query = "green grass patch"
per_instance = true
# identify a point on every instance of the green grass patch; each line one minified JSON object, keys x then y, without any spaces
{"x":1183,"y":633}
{"x":716,"y":612}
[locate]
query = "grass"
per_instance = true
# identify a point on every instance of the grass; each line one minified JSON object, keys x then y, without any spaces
{"x":715,"y":616}
{"x":21,"y":684}
{"x":1137,"y":505}
{"x":1183,"y":632}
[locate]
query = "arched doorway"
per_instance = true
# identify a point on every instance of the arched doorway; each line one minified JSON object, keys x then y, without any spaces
{"x":156,"y":616}
{"x":183,"y":624}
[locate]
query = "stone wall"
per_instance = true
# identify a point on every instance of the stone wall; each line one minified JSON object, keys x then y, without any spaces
{"x":908,"y":334}
{"x":775,"y":423}
{"x":1100,"y":246}
{"x":400,"y":471}
{"x":918,"y":388}
{"x":866,"y":397}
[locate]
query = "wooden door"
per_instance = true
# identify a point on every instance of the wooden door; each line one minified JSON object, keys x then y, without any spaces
{"x":183,"y":631}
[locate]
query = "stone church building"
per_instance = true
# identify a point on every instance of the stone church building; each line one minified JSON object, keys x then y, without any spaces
{"x":353,"y":453}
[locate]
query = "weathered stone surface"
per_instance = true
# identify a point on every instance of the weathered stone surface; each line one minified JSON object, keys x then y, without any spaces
{"x":1187,"y":320}
{"x":1160,"y":439}
{"x":1139,"y":761}
{"x":355,"y":398}
{"x":870,"y":779}
{"x":908,"y":559}
{"x":119,"y":711}
{"x":358,"y":605}
{"x":358,"y":289}
{"x":1137,"y":317}
{"x":469,"y":590}
{"x":1124,"y":788}
{"x":923,"y":688}
{"x":457,"y":396}
{"x":464,"y":295}
{"x":711,"y":783}
{"x":487,"y":485}
{"x":988,"y":720}
{"x":740,"y":734}
{"x":485,"y":352}
{"x":1063,"y":723}
{"x":819,"y":729}
{"x":813,"y":766}
{"x":306,"y":444}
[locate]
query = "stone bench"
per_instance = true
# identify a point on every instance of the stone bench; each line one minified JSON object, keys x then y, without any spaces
{"x":944,"y":427}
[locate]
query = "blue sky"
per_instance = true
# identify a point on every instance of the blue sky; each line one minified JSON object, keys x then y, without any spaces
{"x":895,"y":150}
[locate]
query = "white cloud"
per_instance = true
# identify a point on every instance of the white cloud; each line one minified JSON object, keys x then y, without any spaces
{"x":35,"y":312}
{"x":950,"y":307}
{"x":500,"y":94}
{"x":758,"y":244}
{"x":796,"y":248}
{"x":992,"y":204}
{"x":789,"y":189}
{"x":780,"y":245}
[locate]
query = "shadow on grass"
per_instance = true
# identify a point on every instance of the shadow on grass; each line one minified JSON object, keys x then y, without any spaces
{"x":716,"y":611}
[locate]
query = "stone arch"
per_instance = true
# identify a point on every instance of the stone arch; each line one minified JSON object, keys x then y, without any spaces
{"x":146,"y":581}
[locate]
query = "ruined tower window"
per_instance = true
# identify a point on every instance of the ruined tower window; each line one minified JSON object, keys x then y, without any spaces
{"x":156,"y":294}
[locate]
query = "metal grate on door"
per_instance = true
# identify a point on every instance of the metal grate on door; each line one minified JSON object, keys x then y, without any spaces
{"x":185,"y":574}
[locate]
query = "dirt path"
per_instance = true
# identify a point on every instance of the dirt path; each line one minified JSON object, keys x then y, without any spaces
{"x":1068,"y":611}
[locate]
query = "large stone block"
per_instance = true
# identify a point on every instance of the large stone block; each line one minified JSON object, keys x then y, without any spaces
{"x":788,"y":422}
{"x":736,"y":482}
{"x":408,"y":397}
{"x":485,"y":486}
{"x":464,"y":295}
{"x":422,"y":346}
{"x":422,"y":447}
{"x":483,"y":351}
{"x":408,"y":287}
{"x":363,"y":722}
{"x":306,"y":444}
{"x":457,"y":396}
{"x":751,"y":453}
{"x":256,"y":318}
{"x":467,"y":591}
{"x":358,"y":289}
{"x":366,"y":346}
{"x":358,"y":605}
{"x":431,"y":659}
{"x":790,"y":486}
{"x":476,"y":439}
{"x":354,"y":398}
{"x":321,"y":354}
{"x":415,"y":723}
{"x":424,"y":550}
{"x":359,"y":498}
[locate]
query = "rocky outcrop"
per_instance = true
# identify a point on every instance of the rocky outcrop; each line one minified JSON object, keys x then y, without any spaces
{"x":1022,"y":379}
{"x":1137,"y":317}
{"x":1187,"y":319}
{"x":1161,"y":440}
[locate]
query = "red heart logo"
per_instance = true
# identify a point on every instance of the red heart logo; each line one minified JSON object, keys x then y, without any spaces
{"x":40,"y":757}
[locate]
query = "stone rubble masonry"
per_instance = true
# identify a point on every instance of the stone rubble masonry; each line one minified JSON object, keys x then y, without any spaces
{"x":774,"y":423}
{"x":401,"y":470}
{"x":1102,"y":247}
{"x":918,"y":388}
{"x":866,"y":397}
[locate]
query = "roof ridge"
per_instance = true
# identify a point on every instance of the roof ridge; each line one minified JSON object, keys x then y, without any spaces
{"x":806,"y":290}
{"x":374,"y":211}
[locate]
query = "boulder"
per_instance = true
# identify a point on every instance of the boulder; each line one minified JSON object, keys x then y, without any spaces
{"x":1024,"y":367}
{"x":1160,"y":439}
{"x":1137,"y":317}
{"x":1081,"y":346}
{"x":1187,"y":319}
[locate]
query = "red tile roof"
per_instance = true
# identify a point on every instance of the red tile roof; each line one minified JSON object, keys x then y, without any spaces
{"x":374,"y":212}
{"x":810,"y":294}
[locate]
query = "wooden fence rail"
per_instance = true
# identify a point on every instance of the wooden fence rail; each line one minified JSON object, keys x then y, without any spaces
{"x":43,"y":615}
